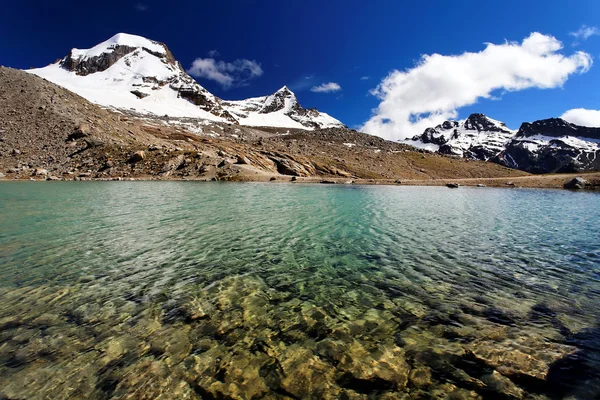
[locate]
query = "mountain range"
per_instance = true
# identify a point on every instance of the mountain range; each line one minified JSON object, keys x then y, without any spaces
{"x":546,"y":146}
{"x":132,"y":73}
{"x":141,"y":78}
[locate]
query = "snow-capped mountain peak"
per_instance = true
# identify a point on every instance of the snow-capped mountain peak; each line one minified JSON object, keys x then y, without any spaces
{"x":544,"y":146}
{"x":283,"y":99}
{"x":280,"y":109}
{"x":135,"y":73}
{"x":483,"y":123}
{"x":117,"y":41}
{"x":478,"y":136}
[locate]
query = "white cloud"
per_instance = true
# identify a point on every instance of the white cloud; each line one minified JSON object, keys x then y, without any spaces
{"x":236,"y":73}
{"x":326,"y":88}
{"x":141,"y":6}
{"x":585,"y":32}
{"x":213,"y":54}
{"x":583,"y":117}
{"x":365,"y":78}
{"x":439,"y":85}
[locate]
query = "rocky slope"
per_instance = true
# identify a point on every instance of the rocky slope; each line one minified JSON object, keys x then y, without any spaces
{"x":545,"y":146}
{"x":132,"y":73}
{"x":47,"y":131}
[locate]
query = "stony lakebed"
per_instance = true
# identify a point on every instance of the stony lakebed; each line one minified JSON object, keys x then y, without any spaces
{"x":187,"y":290}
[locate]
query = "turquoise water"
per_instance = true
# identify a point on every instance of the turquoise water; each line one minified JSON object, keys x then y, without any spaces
{"x":212,"y":290}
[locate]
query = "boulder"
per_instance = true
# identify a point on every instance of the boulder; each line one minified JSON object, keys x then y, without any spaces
{"x":173,"y":164}
{"x":452,"y":185}
{"x":576,"y":183}
{"x":2,"y":175}
{"x":80,"y":131}
{"x":242,"y":160}
{"x":137,"y":157}
{"x":40,"y":171}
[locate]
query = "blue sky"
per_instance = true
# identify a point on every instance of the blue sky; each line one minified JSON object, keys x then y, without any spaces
{"x":342,"y":42}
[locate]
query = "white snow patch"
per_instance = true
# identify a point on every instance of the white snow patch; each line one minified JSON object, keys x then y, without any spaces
{"x":112,"y":87}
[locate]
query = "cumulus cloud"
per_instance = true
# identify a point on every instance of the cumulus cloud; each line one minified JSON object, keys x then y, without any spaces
{"x":227,"y":74}
{"x":213,"y":54}
{"x":583,"y":117}
{"x":585,"y":32}
{"x":326,"y":88}
{"x":439,"y":85}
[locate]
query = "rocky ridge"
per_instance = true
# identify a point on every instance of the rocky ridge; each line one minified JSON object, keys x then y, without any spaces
{"x":545,"y":146}
{"x":553,"y":146}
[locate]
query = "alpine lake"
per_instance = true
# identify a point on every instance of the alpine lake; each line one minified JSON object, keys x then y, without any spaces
{"x":189,"y":290}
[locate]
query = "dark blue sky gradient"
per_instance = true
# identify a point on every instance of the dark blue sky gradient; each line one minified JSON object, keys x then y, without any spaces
{"x":338,"y":41}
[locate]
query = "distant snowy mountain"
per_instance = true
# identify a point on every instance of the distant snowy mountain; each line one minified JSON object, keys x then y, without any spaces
{"x":545,"y":146}
{"x":478,"y":137}
{"x":552,"y":145}
{"x":279,"y":109}
{"x":134,"y":73}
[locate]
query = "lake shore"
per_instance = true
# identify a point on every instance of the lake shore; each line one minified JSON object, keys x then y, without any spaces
{"x":549,"y":181}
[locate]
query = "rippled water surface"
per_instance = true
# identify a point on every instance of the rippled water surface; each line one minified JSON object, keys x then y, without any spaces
{"x":162,"y":290}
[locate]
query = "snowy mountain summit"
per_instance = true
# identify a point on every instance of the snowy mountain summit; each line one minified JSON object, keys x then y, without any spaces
{"x":545,"y":146}
{"x":279,"y":109}
{"x":478,"y":137}
{"x":133,"y":73}
{"x":553,"y":145}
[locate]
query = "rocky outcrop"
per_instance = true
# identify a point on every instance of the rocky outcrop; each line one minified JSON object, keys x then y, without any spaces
{"x":88,"y":65}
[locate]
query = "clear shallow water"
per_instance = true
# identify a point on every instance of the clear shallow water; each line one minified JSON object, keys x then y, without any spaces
{"x":208,"y":290}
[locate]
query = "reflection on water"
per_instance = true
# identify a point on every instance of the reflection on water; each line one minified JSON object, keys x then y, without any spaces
{"x":164,"y":290}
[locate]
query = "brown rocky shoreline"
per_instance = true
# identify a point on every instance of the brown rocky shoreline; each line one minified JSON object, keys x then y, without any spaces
{"x":550,"y":181}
